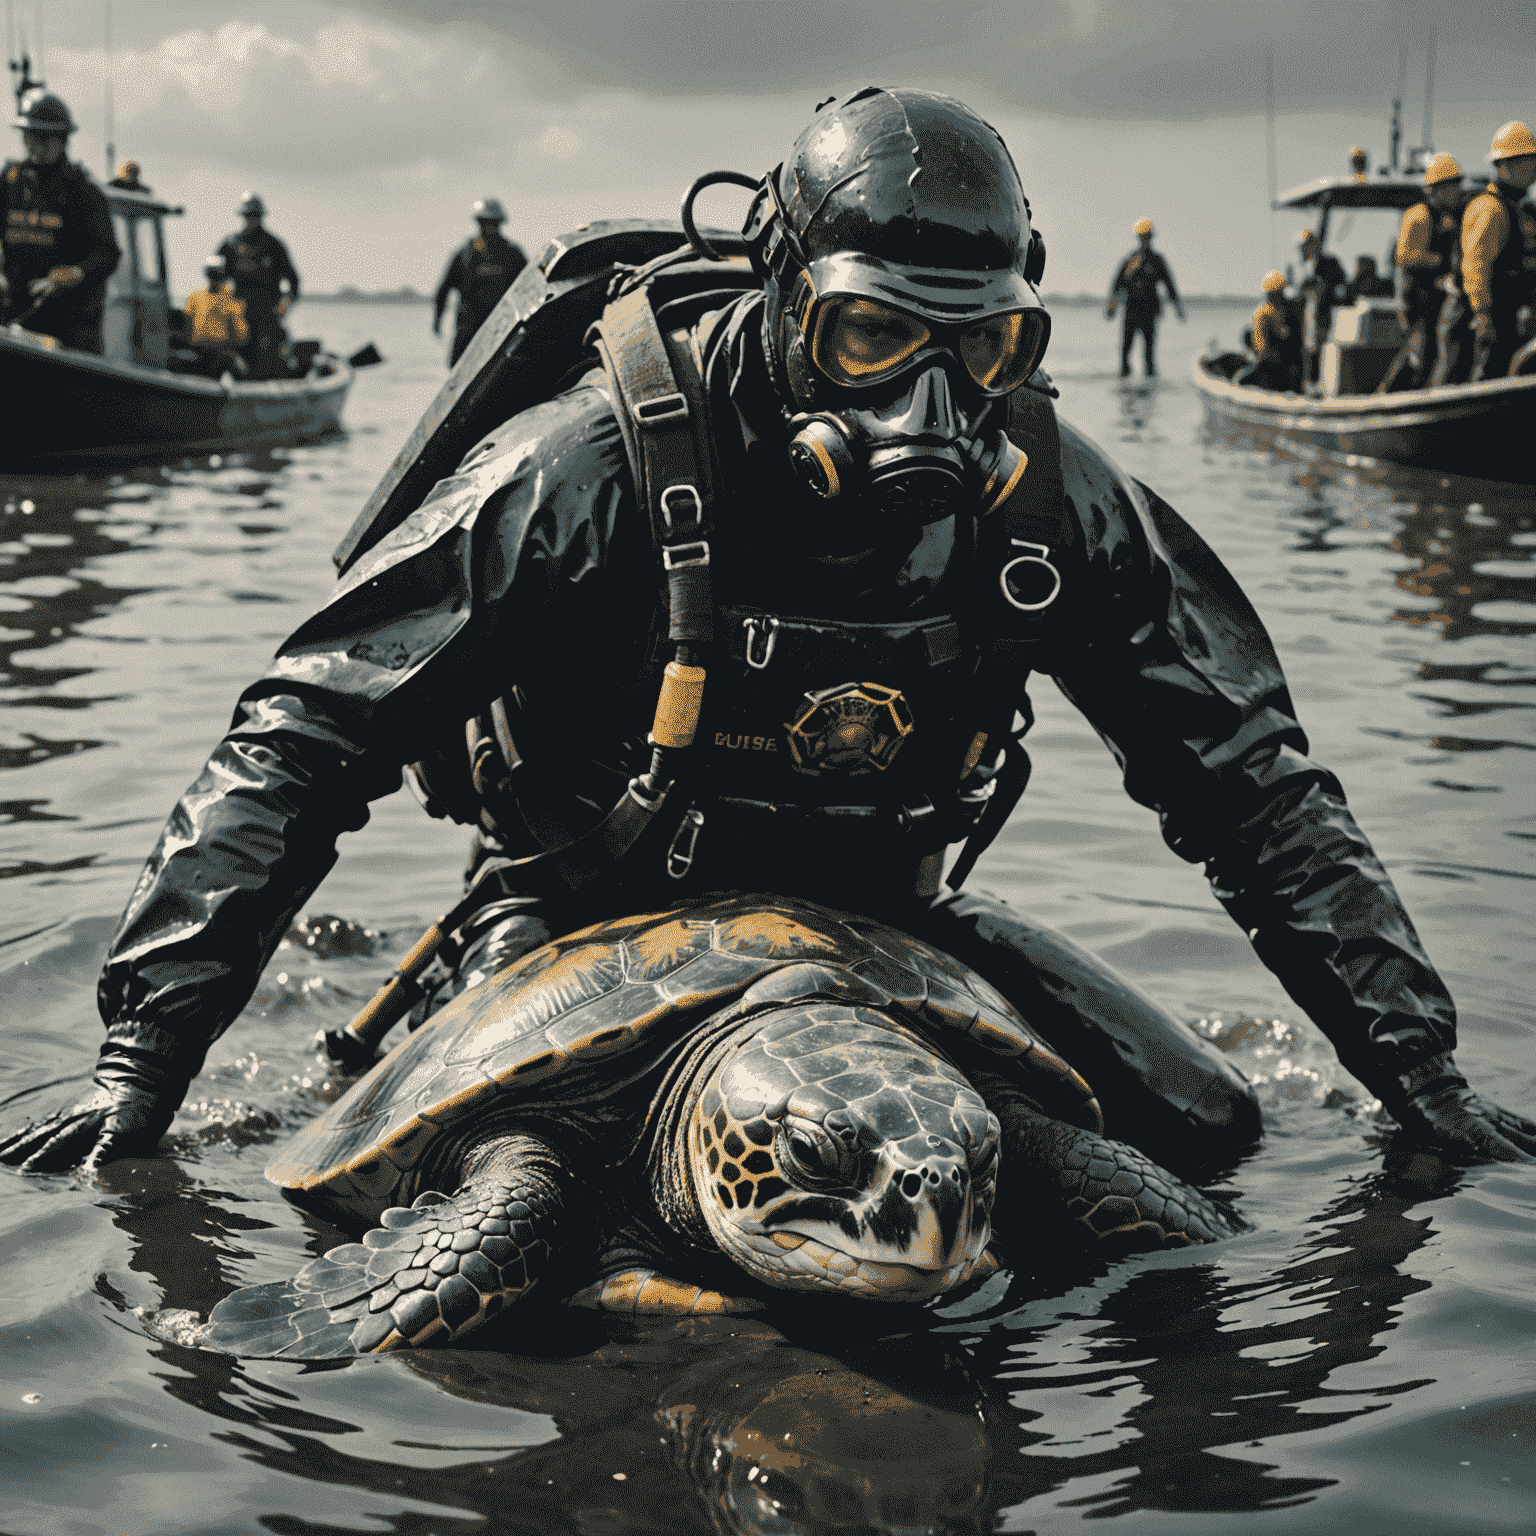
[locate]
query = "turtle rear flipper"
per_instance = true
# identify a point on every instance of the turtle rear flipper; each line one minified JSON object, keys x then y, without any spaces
{"x":1120,"y":1195}
{"x":429,"y":1274}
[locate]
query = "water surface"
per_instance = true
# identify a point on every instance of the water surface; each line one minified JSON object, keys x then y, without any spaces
{"x":1361,"y":1360}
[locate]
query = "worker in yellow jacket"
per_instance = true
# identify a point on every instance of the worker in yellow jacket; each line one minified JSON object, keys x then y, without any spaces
{"x":1276,"y":340}
{"x":1498,"y":253}
{"x":1426,"y":249}
{"x":216,"y":321}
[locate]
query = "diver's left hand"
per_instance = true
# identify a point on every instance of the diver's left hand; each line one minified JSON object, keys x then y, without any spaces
{"x":1447,"y":1112}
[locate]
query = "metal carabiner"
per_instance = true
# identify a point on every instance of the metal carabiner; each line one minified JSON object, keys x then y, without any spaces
{"x":770,"y":639}
{"x":684,"y":841}
{"x":1046,"y":579}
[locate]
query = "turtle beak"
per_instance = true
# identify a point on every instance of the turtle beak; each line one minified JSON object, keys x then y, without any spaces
{"x":927,"y":1213}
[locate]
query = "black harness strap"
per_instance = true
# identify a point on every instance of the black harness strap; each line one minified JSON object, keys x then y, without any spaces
{"x":1032,"y":575}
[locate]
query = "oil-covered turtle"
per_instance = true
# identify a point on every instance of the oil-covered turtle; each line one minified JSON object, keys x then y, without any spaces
{"x":684,"y":1111}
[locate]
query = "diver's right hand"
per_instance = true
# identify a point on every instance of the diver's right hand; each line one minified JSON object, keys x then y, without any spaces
{"x":126,"y":1112}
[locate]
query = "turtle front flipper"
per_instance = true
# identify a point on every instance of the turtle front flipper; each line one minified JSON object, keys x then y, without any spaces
{"x":428,"y":1275}
{"x":1120,"y":1195}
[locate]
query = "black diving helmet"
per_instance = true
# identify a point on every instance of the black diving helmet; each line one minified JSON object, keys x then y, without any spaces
{"x":900,"y":268}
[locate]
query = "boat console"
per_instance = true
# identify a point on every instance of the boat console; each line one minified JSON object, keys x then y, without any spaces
{"x":1362,"y":342}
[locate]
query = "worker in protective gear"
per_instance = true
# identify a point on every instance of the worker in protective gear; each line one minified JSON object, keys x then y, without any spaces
{"x":128,"y":178}
{"x":480,"y":271}
{"x":1498,"y":253}
{"x":1427,"y":242}
{"x":1359,"y":164}
{"x":874,"y":637}
{"x":55,"y":231}
{"x":216,"y":324}
{"x":1137,"y":282}
{"x":1276,"y":345}
{"x":1323,"y":286}
{"x":267,"y":283}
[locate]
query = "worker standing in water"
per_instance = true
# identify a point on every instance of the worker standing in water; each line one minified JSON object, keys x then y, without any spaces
{"x":266,"y":283}
{"x":55,"y":231}
{"x":1426,"y":243}
{"x":1137,"y":281}
{"x":1498,"y":253}
{"x":480,"y":271}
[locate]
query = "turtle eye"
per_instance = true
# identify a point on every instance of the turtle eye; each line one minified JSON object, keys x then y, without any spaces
{"x":810,"y":1154}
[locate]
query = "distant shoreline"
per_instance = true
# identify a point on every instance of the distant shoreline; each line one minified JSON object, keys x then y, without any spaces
{"x":1052,"y":300}
{"x":1191,"y":300}
{"x":357,"y":296}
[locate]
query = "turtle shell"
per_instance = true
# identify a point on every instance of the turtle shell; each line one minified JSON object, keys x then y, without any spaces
{"x":589,"y":1013}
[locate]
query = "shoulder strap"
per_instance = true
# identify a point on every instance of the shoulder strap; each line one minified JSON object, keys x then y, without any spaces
{"x":1032,"y":579}
{"x":658,"y":398}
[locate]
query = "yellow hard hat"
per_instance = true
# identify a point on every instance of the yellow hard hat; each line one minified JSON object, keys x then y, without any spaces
{"x":128,"y":170}
{"x":1273,"y":282}
{"x":1511,"y":140}
{"x":1142,"y":227}
{"x":1441,"y":167}
{"x":1303,"y":235}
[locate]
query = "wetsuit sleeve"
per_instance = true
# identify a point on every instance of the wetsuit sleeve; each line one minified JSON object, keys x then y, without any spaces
{"x":1413,"y":252}
{"x":508,"y":562}
{"x":1184,"y":687}
{"x":1483,"y":232}
{"x":283,"y":267}
{"x":94,"y":215}
{"x":1167,"y":277}
{"x":452,"y":279}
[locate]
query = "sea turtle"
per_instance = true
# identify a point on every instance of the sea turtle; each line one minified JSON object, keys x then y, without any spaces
{"x":684,"y":1110}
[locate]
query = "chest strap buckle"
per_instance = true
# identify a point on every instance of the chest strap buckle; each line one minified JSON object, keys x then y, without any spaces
{"x":684,"y":841}
{"x":760,"y":651}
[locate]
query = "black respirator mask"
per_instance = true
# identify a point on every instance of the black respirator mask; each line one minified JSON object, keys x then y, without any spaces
{"x":906,"y":410}
{"x":901,"y":273}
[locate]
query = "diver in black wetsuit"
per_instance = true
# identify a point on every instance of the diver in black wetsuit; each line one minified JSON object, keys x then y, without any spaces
{"x":1137,"y":282}
{"x":886,"y":574}
{"x":480,"y":271}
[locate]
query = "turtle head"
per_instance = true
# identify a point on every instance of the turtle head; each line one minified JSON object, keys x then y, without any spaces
{"x":833,"y":1150}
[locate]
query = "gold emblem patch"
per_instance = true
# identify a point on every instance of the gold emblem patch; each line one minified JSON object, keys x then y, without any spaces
{"x":852,"y":728}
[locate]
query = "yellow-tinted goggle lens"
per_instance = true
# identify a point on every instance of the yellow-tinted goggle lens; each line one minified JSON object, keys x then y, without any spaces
{"x":858,"y":340}
{"x":995,"y":353}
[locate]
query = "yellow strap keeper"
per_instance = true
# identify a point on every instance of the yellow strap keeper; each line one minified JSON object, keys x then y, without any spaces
{"x":677,"y":709}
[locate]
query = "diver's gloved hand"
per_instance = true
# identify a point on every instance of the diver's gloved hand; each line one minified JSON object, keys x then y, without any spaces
{"x":1435,"y":1104}
{"x":124,"y":1114}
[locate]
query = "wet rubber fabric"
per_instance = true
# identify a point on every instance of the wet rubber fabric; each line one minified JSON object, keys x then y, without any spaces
{"x":532,"y":567}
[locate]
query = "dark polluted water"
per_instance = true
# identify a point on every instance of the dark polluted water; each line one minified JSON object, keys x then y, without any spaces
{"x":1361,"y":1360}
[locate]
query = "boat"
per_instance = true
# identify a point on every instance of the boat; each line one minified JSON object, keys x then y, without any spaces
{"x":131,"y":402}
{"x":1480,"y":429}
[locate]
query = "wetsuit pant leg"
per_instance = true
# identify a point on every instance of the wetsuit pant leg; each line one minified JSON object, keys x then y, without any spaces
{"x":466,"y":323}
{"x":1453,"y":343}
{"x":1139,"y":321}
{"x":1156,"y":1079}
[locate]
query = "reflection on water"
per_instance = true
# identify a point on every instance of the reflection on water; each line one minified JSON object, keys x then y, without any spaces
{"x":1359,"y":1360}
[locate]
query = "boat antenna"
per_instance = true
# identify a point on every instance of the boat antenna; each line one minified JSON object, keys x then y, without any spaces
{"x":107,"y":83}
{"x":1269,"y":114}
{"x":1429,"y":92}
{"x":1397,"y":104}
{"x":21,"y":68}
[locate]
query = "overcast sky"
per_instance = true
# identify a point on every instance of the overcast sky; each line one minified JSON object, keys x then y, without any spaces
{"x":370,"y":126}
